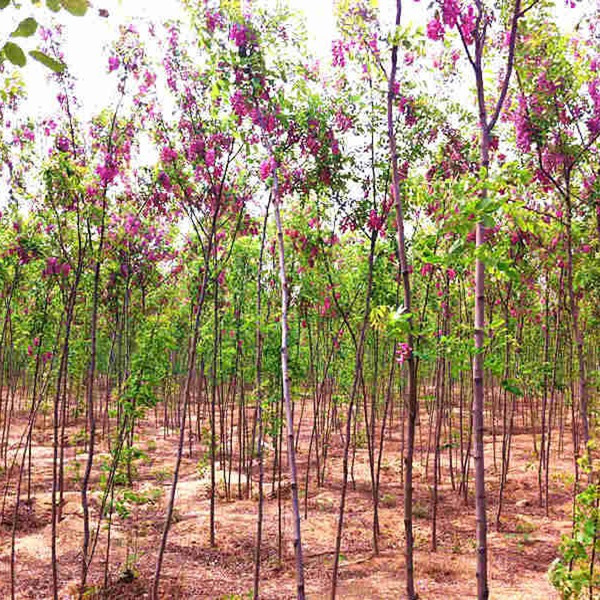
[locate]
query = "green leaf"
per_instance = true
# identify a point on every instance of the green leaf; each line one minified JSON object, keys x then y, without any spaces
{"x":4,"y":3}
{"x":48,"y":61}
{"x":75,"y":7}
{"x":14,"y":53}
{"x":53,"y":5}
{"x":511,"y":386}
{"x":27,"y":27}
{"x":488,"y":221}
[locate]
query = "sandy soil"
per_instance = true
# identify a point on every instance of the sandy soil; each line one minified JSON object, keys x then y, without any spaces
{"x":520,"y":552}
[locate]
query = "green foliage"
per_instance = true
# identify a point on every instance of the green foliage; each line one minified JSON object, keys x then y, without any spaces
{"x":511,"y":386}
{"x":75,"y":7}
{"x":573,"y":573}
{"x":395,"y":322}
{"x":14,"y":54}
{"x":150,"y":366}
{"x":26,"y":28}
{"x":47,"y":61}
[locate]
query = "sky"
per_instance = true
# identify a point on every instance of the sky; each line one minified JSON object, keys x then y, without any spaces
{"x":88,"y":40}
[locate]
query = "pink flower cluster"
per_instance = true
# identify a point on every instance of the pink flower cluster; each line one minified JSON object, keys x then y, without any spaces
{"x":46,"y":356}
{"x":165,"y":181}
{"x":376,"y":222}
{"x":523,"y":127}
{"x":54,"y":267}
{"x":62,"y":143}
{"x":213,"y":20}
{"x":594,"y":92}
{"x":453,"y":15}
{"x":426,"y":269}
{"x":403,"y":351}
{"x":435,"y":30}
{"x":132,"y":225}
{"x":337,"y":52}
{"x":168,"y":155}
{"x":113,"y":63}
{"x":108,"y":171}
{"x":238,"y":34}
{"x":267,"y":167}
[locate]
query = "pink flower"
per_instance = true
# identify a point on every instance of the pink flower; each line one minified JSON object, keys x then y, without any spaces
{"x":62,"y":143}
{"x":238,"y":103}
{"x":165,"y":181}
{"x":238,"y":34}
{"x":168,"y":155}
{"x":403,"y":351}
{"x":212,"y":20}
{"x":113,"y":63}
{"x":467,"y":25}
{"x":450,"y":13}
{"x":107,"y":172}
{"x":209,"y":158}
{"x":375,"y":221}
{"x":337,"y":51}
{"x":267,"y":167}
{"x":326,"y":306}
{"x":435,"y":30}
{"x":426,"y":269}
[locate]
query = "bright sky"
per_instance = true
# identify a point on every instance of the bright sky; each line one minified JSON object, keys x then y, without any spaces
{"x":88,"y":39}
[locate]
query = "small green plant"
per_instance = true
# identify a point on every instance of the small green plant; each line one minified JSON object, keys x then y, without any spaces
{"x":130,"y":568}
{"x":91,"y":592}
{"x":457,"y":546}
{"x":324,"y":503}
{"x":79,"y":438}
{"x":202,"y":466}
{"x":361,"y":438}
{"x":420,"y":511}
{"x":573,"y":573}
{"x":246,"y":596}
{"x":177,"y":516}
{"x":74,"y":470}
{"x":388,"y":500}
{"x":162,"y":475}
{"x":525,"y":527}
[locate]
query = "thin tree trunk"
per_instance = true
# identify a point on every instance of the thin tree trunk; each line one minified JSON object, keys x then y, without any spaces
{"x":411,"y":363}
{"x":287,"y":393}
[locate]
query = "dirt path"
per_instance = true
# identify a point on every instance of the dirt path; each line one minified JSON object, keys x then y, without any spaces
{"x":520,"y":552}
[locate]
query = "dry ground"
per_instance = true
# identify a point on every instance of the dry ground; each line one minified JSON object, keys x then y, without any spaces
{"x":520,"y":552}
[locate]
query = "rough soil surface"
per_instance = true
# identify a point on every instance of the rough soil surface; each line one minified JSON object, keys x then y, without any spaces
{"x":520,"y":551}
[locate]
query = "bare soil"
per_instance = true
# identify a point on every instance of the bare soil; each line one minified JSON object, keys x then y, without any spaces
{"x":520,"y":551}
